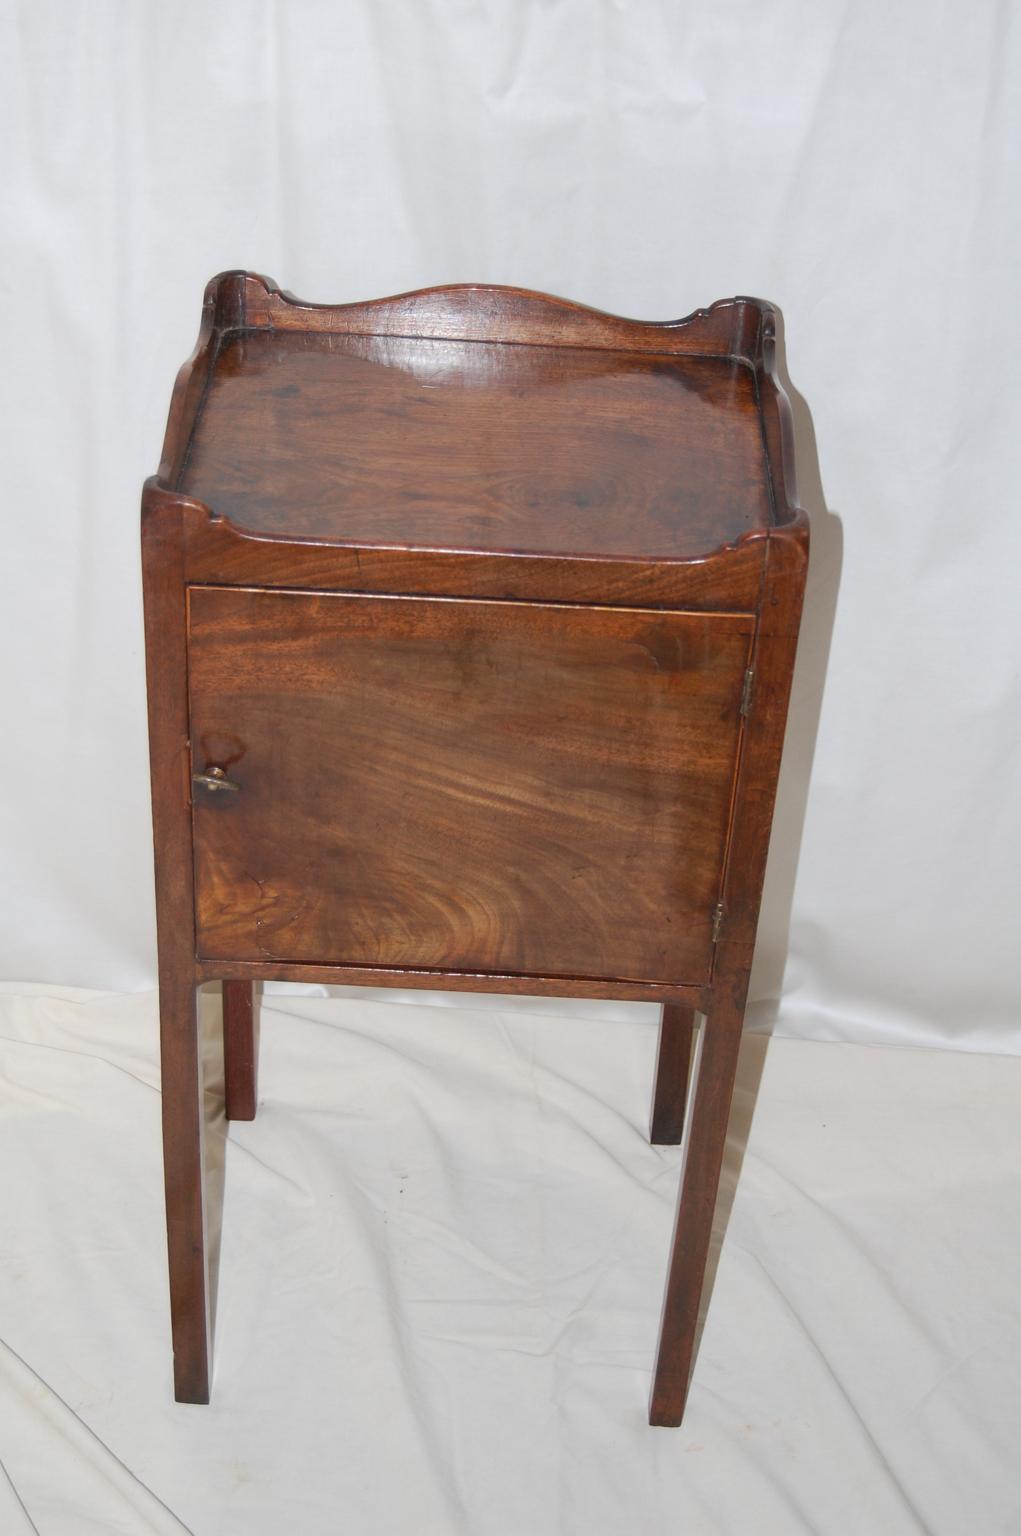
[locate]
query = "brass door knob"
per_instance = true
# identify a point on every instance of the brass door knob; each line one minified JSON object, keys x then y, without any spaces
{"x":215,"y":778}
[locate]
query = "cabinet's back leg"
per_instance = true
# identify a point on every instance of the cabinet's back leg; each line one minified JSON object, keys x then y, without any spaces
{"x":240,"y":1048}
{"x":184,"y":1171}
{"x":707,"y":1140}
{"x":673,"y":1070}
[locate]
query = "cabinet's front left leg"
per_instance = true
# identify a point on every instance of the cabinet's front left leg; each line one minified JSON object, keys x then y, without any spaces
{"x":240,"y":1049}
{"x":704,"y":1162}
{"x":673,"y":1070}
{"x":184,"y":1173}
{"x":166,"y":656}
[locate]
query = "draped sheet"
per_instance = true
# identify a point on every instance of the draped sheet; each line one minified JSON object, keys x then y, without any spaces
{"x":444,"y":1241}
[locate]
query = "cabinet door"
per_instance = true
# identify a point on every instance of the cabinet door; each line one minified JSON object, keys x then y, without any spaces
{"x":527,"y":788}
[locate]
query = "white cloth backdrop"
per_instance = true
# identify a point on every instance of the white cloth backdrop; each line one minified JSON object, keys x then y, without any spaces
{"x":856,"y":164}
{"x":443,"y":1246}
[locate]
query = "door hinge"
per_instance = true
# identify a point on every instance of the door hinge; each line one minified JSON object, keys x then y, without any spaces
{"x":746,"y":692}
{"x":717,"y":921}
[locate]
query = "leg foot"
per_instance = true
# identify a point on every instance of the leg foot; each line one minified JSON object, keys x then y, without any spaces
{"x":704,"y":1162}
{"x":240,"y":1049}
{"x":673,"y":1069}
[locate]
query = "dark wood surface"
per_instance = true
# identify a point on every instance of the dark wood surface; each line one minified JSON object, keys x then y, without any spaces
{"x":424,"y":979}
{"x":218,"y":552}
{"x":479,"y":446}
{"x":180,"y":1056}
{"x":240,"y":1049}
{"x":486,"y":312}
{"x":700,"y":1181}
{"x":776,"y":639}
{"x":450,"y":793}
{"x":478,"y":786}
{"x":673,"y":1074}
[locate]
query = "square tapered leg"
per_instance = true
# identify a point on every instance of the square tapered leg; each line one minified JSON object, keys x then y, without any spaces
{"x":673,"y":1073}
{"x":184,"y":1176}
{"x":240,"y":1049}
{"x":700,"y":1183}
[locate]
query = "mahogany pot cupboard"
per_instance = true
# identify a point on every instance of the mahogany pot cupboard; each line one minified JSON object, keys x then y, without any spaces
{"x":470,"y":623}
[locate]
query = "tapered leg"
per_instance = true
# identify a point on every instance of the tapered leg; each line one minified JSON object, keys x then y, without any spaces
{"x":673,"y":1070}
{"x":707,"y":1139}
{"x":240,"y":1049}
{"x":166,"y":657}
{"x":183,"y":1167}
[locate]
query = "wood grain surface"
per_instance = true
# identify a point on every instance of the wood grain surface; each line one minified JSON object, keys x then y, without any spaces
{"x":500,"y":739}
{"x":428,"y":443}
{"x":180,"y":1047}
{"x":423,"y":979}
{"x":492,"y":312}
{"x":219,"y":553}
{"x":240,"y":1049}
{"x":468,"y":785}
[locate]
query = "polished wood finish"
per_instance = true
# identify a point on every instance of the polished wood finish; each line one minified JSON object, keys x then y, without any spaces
{"x":181,"y":1065}
{"x":565,"y":808}
{"x":699,"y":1186}
{"x":217,"y":552}
{"x":673,"y":1073}
{"x":486,"y":313}
{"x":240,"y":1049}
{"x":486,"y":605}
{"x":776,"y":641}
{"x":478,"y":446}
{"x":424,"y":979}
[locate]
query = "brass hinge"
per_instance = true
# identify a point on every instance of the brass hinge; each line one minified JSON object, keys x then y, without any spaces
{"x":717,"y":922}
{"x":746,"y":692}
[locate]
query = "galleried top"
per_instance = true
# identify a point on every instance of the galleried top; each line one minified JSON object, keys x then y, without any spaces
{"x":478,"y":419}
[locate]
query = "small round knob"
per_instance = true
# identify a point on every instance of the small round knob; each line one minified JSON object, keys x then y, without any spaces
{"x":216,"y":779}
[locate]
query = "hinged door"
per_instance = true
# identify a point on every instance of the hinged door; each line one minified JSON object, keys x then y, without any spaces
{"x":504,"y":787}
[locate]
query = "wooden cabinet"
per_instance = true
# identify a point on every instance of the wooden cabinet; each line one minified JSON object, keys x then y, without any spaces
{"x":470,"y":623}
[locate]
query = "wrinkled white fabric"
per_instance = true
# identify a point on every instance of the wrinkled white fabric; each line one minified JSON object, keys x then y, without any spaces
{"x":444,"y":1241}
{"x":856,"y":164}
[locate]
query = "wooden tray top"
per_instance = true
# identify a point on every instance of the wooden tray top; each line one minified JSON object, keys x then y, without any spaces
{"x":441,"y":442}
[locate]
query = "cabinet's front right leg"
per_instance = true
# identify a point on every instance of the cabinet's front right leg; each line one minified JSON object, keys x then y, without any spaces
{"x":184,"y":1172}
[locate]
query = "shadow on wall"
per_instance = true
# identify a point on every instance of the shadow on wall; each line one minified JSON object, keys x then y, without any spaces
{"x":803,"y":721}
